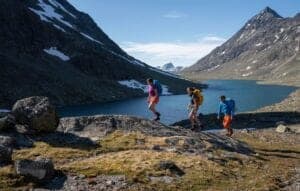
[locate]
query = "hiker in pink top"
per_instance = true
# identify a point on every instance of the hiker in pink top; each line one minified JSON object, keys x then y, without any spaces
{"x":153,"y":98}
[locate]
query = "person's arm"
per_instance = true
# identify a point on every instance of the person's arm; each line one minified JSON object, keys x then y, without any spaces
{"x":148,"y":99}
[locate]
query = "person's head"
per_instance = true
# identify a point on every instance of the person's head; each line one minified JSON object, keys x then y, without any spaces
{"x":150,"y":81}
{"x":223,"y":98}
{"x":190,"y":90}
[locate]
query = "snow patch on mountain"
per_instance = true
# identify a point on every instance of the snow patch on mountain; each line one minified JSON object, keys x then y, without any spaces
{"x":134,"y":84}
{"x":48,"y":12}
{"x":241,"y":37}
{"x":91,"y":38}
{"x":276,"y":38}
{"x":247,"y":74}
{"x":138,"y":85}
{"x":59,"y":28}
{"x":213,"y":68}
{"x":136,"y":62}
{"x":58,"y":5}
{"x":54,"y":52}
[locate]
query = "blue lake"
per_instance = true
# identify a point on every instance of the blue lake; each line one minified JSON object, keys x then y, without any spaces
{"x":248,"y":96}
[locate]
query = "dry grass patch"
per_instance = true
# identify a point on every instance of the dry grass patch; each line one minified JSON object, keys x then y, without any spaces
{"x":139,"y":164}
{"x":120,"y":141}
{"x":59,"y":155}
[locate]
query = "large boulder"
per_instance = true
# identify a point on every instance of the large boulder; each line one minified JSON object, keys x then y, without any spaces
{"x":39,"y":170}
{"x":7,"y":122}
{"x":5,"y":155}
{"x":36,"y":113}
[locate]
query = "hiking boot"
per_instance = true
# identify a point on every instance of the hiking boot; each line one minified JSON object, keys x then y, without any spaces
{"x":194,"y":128}
{"x":157,"y":117}
{"x":230,"y":132}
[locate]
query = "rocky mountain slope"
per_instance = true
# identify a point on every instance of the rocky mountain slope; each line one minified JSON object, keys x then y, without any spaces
{"x":47,"y":47}
{"x":266,"y":47}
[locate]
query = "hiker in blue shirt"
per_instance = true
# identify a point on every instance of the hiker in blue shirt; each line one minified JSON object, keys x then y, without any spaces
{"x":226,"y":108}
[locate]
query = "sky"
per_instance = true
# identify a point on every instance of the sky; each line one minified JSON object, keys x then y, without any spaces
{"x":177,"y":31}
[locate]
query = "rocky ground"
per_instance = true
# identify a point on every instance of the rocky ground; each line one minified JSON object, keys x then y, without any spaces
{"x":130,"y":153}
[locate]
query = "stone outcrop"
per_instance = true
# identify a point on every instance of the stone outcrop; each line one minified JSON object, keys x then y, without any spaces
{"x":37,"y":113}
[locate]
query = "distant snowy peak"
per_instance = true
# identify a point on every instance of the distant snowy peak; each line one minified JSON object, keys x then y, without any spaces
{"x":169,"y":67}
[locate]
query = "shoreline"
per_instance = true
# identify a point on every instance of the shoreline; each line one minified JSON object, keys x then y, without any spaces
{"x":287,"y":107}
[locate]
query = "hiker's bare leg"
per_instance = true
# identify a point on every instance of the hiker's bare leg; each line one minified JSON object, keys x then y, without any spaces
{"x":152,"y":108}
{"x":230,"y":131}
{"x":191,"y":117}
{"x":156,"y":113}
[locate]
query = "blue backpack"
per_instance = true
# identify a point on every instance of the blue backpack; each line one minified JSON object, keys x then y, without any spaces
{"x":231,"y":104}
{"x":158,"y":87}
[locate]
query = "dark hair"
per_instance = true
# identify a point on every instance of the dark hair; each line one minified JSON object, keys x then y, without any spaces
{"x":150,"y":80}
{"x":191,"y":88}
{"x":223,"y":97}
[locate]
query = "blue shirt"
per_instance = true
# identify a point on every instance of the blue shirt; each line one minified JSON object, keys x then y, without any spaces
{"x":226,"y":107}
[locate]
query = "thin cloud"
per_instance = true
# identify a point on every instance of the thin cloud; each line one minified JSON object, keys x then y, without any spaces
{"x":180,"y":53}
{"x":174,"y":15}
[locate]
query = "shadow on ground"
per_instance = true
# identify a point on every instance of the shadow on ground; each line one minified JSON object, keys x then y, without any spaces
{"x":69,"y":140}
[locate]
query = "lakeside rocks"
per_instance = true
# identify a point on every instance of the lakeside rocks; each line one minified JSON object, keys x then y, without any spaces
{"x":36,"y":113}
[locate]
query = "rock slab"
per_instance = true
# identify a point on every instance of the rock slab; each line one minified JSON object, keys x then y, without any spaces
{"x":39,"y":170}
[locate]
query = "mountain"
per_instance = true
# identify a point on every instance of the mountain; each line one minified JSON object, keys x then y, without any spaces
{"x":169,"y":67}
{"x":266,"y":48}
{"x":48,"y":48}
